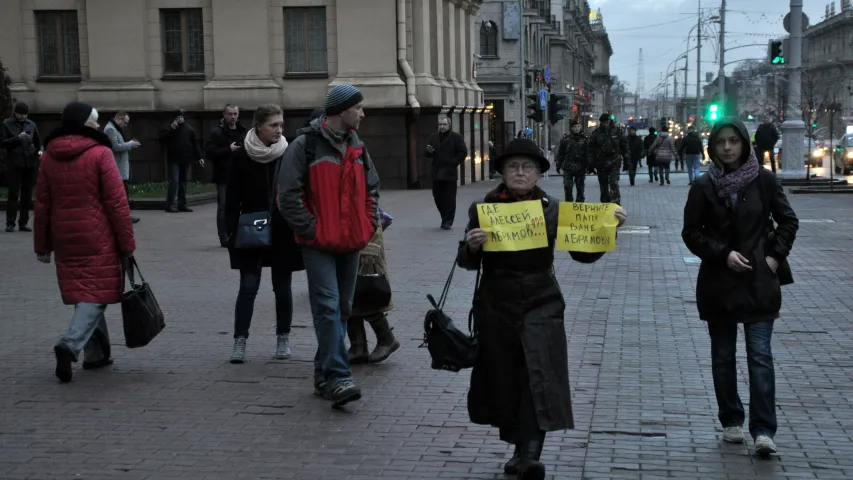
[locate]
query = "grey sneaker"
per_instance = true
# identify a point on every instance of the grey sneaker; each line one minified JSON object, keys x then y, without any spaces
{"x":238,"y":355}
{"x":344,"y":392}
{"x":733,"y":434}
{"x":322,"y":391}
{"x":764,"y":445}
{"x":282,"y":349}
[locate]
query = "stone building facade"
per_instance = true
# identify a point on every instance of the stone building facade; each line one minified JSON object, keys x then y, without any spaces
{"x":150,"y":57}
{"x":558,"y":34}
{"x":828,"y":62}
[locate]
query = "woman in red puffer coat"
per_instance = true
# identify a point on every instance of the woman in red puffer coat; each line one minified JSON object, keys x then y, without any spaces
{"x":82,"y":215}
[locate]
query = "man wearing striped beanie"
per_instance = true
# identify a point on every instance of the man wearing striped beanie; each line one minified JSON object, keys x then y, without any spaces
{"x":328,"y":193}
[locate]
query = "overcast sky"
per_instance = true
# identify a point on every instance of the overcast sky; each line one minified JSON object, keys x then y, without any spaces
{"x":660,"y":28}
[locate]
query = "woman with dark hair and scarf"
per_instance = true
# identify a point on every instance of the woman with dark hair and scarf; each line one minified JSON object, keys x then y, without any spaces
{"x":520,"y":382}
{"x":727,"y":225}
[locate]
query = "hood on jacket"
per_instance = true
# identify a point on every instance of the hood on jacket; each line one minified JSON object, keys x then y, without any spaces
{"x":741,"y":131}
{"x":68,"y":143}
{"x":663,"y":134}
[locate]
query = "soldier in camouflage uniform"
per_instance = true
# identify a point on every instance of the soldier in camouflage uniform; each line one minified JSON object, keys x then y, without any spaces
{"x":608,"y":151}
{"x":572,"y":161}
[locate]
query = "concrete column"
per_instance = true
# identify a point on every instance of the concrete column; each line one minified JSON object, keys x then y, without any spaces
{"x":429,"y":89}
{"x":371,"y":62}
{"x":240,"y":76}
{"x":117,"y":70}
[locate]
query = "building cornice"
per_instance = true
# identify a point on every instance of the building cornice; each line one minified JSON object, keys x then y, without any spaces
{"x":830,"y":23}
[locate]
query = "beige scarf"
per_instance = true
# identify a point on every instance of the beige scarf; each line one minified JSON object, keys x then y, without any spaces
{"x":261,"y":153}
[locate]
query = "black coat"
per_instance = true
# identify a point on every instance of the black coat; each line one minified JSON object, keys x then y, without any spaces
{"x":248,"y":191}
{"x":450,"y":152}
{"x":692,"y":145}
{"x":648,"y":140}
{"x":519,"y":317}
{"x":713,"y":229}
{"x":217,"y":149}
{"x":15,"y":154}
{"x":180,"y":144}
{"x":635,"y":148}
{"x":766,"y":136}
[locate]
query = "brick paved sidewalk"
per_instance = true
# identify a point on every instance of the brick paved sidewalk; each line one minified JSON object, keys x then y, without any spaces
{"x":639,"y":363}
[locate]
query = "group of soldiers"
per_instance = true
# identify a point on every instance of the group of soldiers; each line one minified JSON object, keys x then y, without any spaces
{"x":605,"y":151}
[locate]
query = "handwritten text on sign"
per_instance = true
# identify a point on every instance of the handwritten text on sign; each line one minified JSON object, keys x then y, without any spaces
{"x":512,"y":227}
{"x":587,"y":227}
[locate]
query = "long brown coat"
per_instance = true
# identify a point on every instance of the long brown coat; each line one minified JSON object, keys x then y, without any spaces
{"x":519,"y":318}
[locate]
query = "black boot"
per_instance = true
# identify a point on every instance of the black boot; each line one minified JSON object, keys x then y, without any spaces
{"x":358,"y":341}
{"x":511,"y":467}
{"x":529,"y":466}
{"x":386,"y":344}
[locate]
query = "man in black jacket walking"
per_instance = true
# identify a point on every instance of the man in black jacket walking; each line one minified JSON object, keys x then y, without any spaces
{"x":447,"y":150}
{"x":20,"y":138}
{"x":692,"y":151}
{"x":648,"y":140}
{"x":224,"y":139}
{"x":573,"y":161}
{"x":181,"y":144}
{"x":635,"y":153}
{"x":766,"y":137}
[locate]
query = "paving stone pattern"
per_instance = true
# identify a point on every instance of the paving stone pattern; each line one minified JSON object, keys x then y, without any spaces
{"x":639,"y":362}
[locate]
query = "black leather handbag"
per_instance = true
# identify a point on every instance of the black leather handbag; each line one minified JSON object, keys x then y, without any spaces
{"x":141,"y":314}
{"x":450,"y":348}
{"x":254,"y":230}
{"x":372,"y":293}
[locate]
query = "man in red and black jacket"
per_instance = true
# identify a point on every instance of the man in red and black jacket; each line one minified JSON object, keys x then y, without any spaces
{"x":328,"y":193}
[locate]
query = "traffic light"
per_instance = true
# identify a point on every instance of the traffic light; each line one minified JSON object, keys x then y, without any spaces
{"x":714,"y":112}
{"x":777,"y":55}
{"x":536,"y":114}
{"x":558,"y":107}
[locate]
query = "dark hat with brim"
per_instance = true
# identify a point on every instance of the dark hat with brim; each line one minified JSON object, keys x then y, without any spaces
{"x":522,"y":147}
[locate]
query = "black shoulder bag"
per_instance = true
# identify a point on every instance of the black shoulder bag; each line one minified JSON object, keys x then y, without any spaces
{"x":783,"y":272}
{"x":254,"y":230}
{"x":140,"y":313}
{"x":450,"y":348}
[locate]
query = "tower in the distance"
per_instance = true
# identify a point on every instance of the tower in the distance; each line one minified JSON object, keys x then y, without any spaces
{"x":641,"y":83}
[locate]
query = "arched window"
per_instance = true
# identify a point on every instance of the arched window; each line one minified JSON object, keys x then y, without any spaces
{"x":488,"y":39}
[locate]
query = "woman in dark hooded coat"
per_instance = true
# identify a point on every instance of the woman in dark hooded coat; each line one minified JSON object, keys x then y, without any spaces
{"x":727,"y":225}
{"x":520,"y":382}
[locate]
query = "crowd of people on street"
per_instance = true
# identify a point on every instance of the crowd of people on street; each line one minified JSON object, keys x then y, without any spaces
{"x":312,"y":204}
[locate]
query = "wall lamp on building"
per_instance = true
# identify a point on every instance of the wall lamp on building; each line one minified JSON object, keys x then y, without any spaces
{"x":487,"y":26}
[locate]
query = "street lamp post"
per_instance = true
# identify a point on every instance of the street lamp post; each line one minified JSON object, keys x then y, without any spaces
{"x":794,"y":127}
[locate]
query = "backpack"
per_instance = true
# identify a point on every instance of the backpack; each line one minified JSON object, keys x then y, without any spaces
{"x":608,"y":146}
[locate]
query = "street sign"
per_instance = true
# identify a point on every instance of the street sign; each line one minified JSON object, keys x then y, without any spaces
{"x":543,"y":99}
{"x":547,"y":74}
{"x":787,"y":22}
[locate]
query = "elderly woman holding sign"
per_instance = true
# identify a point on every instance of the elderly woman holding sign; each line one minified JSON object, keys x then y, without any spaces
{"x":520,"y":382}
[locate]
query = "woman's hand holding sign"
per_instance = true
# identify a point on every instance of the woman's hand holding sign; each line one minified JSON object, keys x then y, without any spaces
{"x":475,"y":237}
{"x":622,"y":215}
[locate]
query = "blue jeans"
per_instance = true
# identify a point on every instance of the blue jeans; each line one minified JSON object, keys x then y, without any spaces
{"x":178,"y":175}
{"x":663,"y":171}
{"x":331,"y":287}
{"x":87,"y":333}
{"x":762,"y":377}
{"x":693,"y":167}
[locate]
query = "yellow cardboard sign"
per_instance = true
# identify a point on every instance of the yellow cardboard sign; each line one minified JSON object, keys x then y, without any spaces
{"x":511,"y":227}
{"x":587,"y":227}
